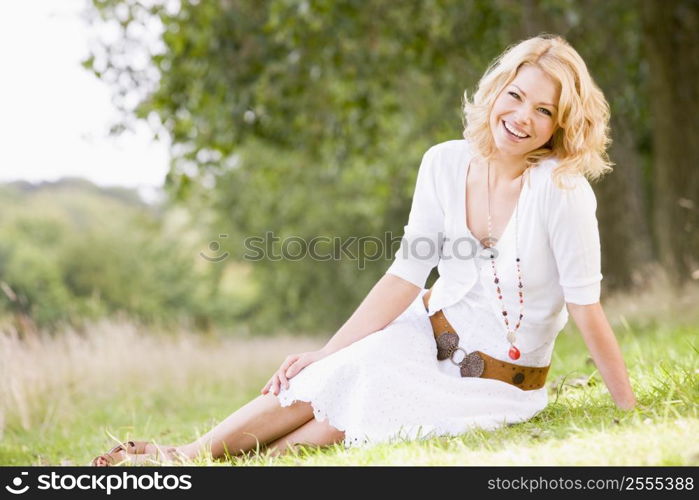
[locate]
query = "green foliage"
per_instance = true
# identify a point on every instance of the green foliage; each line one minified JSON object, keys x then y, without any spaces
{"x":310,"y":118}
{"x":37,"y":280}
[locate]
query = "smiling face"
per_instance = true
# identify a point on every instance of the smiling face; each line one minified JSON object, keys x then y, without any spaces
{"x":523,"y":117}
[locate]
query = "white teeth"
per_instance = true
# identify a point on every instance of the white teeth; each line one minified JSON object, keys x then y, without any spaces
{"x":518,"y":134}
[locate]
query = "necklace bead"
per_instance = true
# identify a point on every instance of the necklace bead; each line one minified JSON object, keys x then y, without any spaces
{"x":513,"y":352}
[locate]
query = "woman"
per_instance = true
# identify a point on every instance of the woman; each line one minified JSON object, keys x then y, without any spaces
{"x":508,"y":216}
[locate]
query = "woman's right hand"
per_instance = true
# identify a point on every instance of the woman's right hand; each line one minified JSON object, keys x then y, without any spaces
{"x":293,"y":364}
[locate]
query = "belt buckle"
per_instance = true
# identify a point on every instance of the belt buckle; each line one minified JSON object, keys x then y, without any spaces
{"x":471,"y":366}
{"x":447,"y":342}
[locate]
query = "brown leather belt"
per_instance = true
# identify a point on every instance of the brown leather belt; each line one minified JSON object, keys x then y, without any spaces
{"x":479,"y":364}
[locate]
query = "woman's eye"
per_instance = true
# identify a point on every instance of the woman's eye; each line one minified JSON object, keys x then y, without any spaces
{"x":516,"y":96}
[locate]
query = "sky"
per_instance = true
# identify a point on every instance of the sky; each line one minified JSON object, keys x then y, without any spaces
{"x":55,"y":115}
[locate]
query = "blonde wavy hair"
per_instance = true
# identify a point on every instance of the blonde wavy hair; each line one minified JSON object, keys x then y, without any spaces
{"x":582,"y":136}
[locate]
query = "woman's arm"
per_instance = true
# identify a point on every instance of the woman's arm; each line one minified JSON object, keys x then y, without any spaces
{"x":601,"y":342}
{"x":389,"y":297}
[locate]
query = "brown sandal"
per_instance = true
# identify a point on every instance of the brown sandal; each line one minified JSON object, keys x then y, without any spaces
{"x":113,"y":456}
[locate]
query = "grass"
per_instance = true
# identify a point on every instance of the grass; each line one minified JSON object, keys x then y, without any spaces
{"x":65,"y":399}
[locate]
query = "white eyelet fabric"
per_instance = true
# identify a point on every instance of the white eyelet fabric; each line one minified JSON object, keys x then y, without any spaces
{"x":390,"y":386}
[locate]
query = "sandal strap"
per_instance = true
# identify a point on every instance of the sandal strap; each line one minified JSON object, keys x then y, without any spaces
{"x":168,"y":455}
{"x":110,"y":458}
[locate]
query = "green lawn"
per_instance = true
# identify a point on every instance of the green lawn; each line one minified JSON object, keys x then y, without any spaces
{"x":62,"y":398}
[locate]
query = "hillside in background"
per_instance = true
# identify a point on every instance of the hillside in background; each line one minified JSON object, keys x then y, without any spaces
{"x":71,"y":250}
{"x":73,"y":184}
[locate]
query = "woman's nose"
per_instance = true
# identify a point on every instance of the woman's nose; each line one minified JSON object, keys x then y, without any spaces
{"x":522,"y":117}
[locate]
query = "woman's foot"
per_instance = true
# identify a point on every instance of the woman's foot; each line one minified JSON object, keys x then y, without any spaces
{"x":140,"y":452}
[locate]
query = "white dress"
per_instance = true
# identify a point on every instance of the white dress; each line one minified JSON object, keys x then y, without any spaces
{"x":390,"y":386}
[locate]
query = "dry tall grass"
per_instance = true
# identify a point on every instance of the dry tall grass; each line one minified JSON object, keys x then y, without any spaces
{"x":44,"y":377}
{"x":654,"y":303}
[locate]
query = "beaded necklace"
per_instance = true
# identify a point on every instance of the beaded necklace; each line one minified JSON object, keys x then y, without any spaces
{"x":511,"y":334}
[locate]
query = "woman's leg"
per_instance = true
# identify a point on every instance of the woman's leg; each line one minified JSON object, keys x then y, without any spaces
{"x":313,"y":432}
{"x":262,"y":420}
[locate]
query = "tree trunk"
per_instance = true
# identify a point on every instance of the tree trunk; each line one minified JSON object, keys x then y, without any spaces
{"x":671,"y":38}
{"x":624,"y":232}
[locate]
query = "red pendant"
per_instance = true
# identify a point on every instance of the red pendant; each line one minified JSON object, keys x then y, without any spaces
{"x":514,"y":352}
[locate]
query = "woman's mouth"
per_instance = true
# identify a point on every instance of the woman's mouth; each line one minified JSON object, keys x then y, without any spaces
{"x":513,"y":134}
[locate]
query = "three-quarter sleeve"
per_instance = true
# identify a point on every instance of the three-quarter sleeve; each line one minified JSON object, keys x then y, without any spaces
{"x":420,"y":247}
{"x":574,"y":239}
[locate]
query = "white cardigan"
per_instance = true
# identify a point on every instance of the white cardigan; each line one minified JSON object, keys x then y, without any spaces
{"x":559,"y":246}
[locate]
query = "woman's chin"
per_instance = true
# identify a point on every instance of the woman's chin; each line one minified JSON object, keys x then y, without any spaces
{"x":509,"y":149}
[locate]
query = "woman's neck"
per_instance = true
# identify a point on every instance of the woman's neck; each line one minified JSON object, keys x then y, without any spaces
{"x":505,"y":169}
